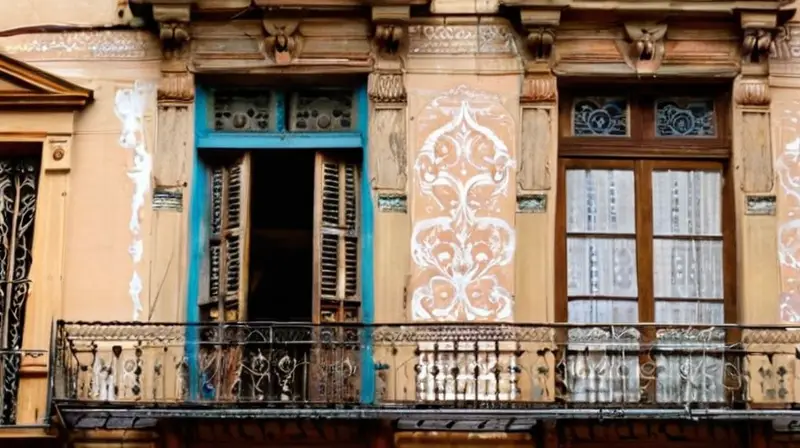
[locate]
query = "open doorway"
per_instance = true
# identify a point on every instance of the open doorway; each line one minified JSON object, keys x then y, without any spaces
{"x":281,"y":236}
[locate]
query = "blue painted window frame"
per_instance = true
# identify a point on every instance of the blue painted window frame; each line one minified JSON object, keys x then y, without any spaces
{"x":208,"y":138}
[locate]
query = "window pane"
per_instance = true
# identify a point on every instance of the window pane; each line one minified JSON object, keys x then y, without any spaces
{"x":688,"y":269}
{"x":684,"y":117}
{"x":601,"y":201}
{"x":610,"y":311}
{"x":687,"y":203}
{"x":601,"y":267}
{"x":243,"y":111}
{"x":600,"y":117}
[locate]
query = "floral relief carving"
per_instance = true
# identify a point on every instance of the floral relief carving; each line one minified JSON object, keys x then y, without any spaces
{"x":462,"y":244}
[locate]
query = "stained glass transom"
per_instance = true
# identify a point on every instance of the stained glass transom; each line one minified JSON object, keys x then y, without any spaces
{"x":685,"y":118}
{"x":600,"y":117}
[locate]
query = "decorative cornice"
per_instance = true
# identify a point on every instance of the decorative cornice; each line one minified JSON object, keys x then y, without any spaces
{"x":386,"y":88}
{"x":35,"y":88}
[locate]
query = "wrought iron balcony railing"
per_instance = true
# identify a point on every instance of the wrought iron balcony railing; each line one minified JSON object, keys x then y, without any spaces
{"x":453,"y":366}
{"x":11,"y":364}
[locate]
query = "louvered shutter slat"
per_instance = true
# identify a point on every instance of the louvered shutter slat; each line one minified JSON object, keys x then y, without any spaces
{"x":228,"y":241}
{"x":336,"y":228}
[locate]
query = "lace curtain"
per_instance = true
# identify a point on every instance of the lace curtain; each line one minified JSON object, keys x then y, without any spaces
{"x":604,"y":364}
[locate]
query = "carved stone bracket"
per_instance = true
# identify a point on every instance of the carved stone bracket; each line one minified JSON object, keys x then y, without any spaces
{"x":759,"y":31}
{"x":390,"y":27}
{"x":540,"y":27}
{"x":173,"y":23}
{"x":282,"y":40}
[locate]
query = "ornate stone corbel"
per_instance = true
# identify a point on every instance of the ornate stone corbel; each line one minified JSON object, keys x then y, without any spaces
{"x":759,"y":31}
{"x":643,"y":47}
{"x":540,"y":27}
{"x":173,"y":24}
{"x":390,"y":27}
{"x":281,"y":40}
{"x":646,"y":40}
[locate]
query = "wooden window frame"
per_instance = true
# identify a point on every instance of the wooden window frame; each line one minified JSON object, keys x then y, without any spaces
{"x":641,"y":141}
{"x":644,"y":153}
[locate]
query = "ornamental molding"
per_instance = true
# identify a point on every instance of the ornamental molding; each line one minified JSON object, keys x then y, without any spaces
{"x":25,"y":86}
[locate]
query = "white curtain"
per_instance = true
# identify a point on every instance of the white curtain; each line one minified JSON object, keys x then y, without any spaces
{"x":602,"y":277}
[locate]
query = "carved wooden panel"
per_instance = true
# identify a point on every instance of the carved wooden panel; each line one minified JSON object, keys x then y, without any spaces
{"x":758,"y":174}
{"x":535,"y":146}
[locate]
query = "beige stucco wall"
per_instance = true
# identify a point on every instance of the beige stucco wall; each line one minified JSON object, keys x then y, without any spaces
{"x":24,"y":13}
{"x":122,"y":68}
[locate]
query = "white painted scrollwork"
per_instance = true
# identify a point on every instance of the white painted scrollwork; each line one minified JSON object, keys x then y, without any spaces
{"x":462,"y":242}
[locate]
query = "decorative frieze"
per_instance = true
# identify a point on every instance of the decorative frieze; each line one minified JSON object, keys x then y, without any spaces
{"x":83,"y":45}
{"x":484,"y":37}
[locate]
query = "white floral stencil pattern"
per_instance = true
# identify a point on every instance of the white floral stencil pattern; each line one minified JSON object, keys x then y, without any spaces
{"x":461,"y":244}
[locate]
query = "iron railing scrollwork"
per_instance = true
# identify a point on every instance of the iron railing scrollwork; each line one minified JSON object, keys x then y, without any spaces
{"x":11,"y":363}
{"x":449,"y":365}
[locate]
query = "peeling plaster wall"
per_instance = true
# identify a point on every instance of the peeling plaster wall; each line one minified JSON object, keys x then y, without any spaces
{"x":108,"y":218}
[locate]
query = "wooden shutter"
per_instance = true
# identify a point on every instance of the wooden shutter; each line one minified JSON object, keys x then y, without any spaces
{"x":337,"y":295}
{"x":228,"y":242}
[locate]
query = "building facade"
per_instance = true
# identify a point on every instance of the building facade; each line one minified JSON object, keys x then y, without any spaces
{"x":399,"y":223}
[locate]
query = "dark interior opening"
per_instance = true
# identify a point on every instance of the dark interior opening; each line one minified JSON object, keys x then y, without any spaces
{"x":281,"y":236}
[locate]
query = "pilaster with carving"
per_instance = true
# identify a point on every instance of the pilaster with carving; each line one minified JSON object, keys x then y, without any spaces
{"x":172,"y":156}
